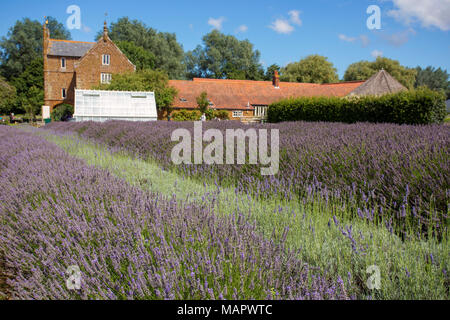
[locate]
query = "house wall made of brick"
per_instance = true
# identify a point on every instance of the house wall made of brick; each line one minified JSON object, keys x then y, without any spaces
{"x":89,"y":69}
{"x":57,"y":78}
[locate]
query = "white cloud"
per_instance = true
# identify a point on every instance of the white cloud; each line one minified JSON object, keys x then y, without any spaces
{"x":430,"y":13}
{"x":216,"y":23}
{"x":282,"y":26}
{"x":295,"y":17}
{"x":191,"y":26}
{"x":363,"y":39}
{"x":241,"y":29}
{"x":376,"y":53}
{"x":400,"y":38}
{"x":343,"y":37}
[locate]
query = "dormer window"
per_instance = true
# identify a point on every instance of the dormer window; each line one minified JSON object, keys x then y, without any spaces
{"x":63,"y":63}
{"x":106,"y":59}
{"x":183,"y":100}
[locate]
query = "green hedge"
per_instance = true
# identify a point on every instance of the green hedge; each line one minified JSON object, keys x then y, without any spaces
{"x":420,"y":106}
{"x":185,"y":115}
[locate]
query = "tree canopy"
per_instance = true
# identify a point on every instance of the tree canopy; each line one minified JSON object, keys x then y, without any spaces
{"x":30,"y":88}
{"x":141,"y":58}
{"x":312,"y":69}
{"x":7,"y":97}
{"x":24,"y":43}
{"x":224,"y":57}
{"x":363,"y":70}
{"x":436,"y":79}
{"x":145,"y":80}
{"x":168,"y":53}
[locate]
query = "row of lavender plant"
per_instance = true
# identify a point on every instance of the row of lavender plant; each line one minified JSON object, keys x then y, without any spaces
{"x":398,"y":174}
{"x":55,"y":212}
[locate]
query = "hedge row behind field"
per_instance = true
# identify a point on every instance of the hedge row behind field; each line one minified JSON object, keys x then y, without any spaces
{"x":420,"y":106}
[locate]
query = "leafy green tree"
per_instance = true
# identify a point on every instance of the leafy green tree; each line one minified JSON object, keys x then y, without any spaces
{"x":32,"y":101}
{"x":145,"y":80}
{"x":140,"y":57}
{"x":168,"y":53}
{"x":271,"y":71}
{"x":435,"y":79}
{"x":359,"y":71}
{"x":30,"y":88}
{"x":312,"y":69}
{"x":24,"y":43}
{"x":7,"y":97}
{"x":224,"y":56}
{"x":363,"y":70}
{"x":203,"y":102}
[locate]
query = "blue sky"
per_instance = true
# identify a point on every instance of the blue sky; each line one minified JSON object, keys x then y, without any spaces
{"x":415,"y":32}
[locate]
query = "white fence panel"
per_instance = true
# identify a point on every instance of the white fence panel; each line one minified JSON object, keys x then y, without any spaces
{"x":98,"y":105}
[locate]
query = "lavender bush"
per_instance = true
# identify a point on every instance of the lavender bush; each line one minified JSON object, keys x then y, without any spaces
{"x":55,"y":211}
{"x":392,"y":174}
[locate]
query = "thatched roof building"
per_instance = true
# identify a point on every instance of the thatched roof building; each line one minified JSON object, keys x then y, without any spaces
{"x":379,"y":84}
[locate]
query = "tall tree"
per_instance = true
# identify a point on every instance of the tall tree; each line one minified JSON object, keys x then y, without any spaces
{"x":23,"y":44}
{"x":312,"y":69}
{"x":168,"y":53}
{"x":224,"y":56}
{"x":141,"y":58}
{"x":363,"y":70}
{"x":436,"y":79}
{"x":7,"y":97}
{"x":30,"y":88}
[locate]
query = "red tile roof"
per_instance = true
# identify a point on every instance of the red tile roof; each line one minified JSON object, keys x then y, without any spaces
{"x":238,"y":94}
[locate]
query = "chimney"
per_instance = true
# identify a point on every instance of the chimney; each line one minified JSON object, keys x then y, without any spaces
{"x":276,"y":79}
{"x":105,"y":32}
{"x":46,"y":33}
{"x":45,"y":52}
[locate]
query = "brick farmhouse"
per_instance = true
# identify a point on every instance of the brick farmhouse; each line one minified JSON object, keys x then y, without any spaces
{"x":81,"y":65}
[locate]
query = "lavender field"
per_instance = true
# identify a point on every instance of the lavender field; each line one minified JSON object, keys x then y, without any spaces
{"x":347,"y":197}
{"x":397,"y":174}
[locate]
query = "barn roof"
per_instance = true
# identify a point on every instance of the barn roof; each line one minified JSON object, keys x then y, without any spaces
{"x":380,"y":83}
{"x":68,"y":48}
{"x":244,"y":94}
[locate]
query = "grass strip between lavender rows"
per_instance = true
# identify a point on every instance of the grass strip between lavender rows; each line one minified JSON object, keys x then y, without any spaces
{"x":415,"y":269}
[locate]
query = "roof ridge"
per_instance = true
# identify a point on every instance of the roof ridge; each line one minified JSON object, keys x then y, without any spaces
{"x":71,"y":41}
{"x":199,"y":80}
{"x":386,"y":79}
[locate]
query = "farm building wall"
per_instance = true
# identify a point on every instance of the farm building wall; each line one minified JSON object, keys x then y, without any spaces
{"x":90,"y":67}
